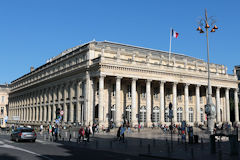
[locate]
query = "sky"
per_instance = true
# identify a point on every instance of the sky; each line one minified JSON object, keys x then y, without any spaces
{"x":31,"y":32}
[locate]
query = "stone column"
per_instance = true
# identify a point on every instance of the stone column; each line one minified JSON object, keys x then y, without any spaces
{"x":174,"y":90}
{"x":30,"y":114}
{"x":218,"y":104}
{"x":134,"y":107}
{"x":65,"y":108}
{"x":41,"y":114}
{"x":198,"y":117}
{"x":34,"y":113}
{"x":162,"y":100}
{"x":71,"y":103}
{"x":118,"y":101}
{"x":236,"y":106}
{"x":37,"y":114}
{"x":101,"y":100}
{"x":54,"y":97}
{"x":227,"y":105}
{"x":186,"y":102}
{"x":27,"y":114}
{"x":148,"y":103}
{"x":78,"y":103}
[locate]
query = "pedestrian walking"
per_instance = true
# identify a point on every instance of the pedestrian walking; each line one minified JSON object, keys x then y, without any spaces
{"x":118,"y":133}
{"x":87,"y":133}
{"x":81,"y":134}
{"x":56,"y":133}
{"x":93,"y":129}
{"x":122,"y":130}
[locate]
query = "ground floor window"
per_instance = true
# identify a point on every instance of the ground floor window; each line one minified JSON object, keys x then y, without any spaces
{"x":113,"y":113}
{"x":190,"y":114}
{"x":202,"y":114}
{"x":179,"y":114}
{"x":142,"y":115}
{"x":128,"y":113}
{"x":156,"y":114}
{"x":166,"y":115}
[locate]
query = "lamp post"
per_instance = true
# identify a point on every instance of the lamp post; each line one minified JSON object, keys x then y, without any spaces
{"x":210,"y":109}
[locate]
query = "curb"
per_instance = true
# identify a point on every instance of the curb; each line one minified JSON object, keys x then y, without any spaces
{"x":158,"y":157}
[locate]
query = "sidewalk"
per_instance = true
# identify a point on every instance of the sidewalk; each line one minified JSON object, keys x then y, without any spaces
{"x":152,"y":144}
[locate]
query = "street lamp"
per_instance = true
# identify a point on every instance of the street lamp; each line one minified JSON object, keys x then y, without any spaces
{"x":209,"y":107}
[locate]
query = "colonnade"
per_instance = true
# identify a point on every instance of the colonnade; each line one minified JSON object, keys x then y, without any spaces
{"x":78,"y":100}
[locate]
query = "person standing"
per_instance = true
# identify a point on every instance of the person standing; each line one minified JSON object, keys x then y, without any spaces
{"x":87,"y":133}
{"x":93,"y":129}
{"x":56,"y":133}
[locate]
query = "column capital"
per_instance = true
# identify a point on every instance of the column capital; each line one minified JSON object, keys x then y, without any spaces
{"x":186,"y":84}
{"x":134,"y":79}
{"x":198,"y":85}
{"x":227,"y":89}
{"x":162,"y":82}
{"x":175,"y":83}
{"x":148,"y":80}
{"x":218,"y":87}
{"x":119,"y":77}
{"x":102,"y":76}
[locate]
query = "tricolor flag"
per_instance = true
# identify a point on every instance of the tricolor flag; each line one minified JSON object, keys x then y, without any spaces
{"x":174,"y":34}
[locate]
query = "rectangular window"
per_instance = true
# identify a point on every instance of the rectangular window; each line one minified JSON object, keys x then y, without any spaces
{"x":2,"y":110}
{"x":114,"y":90}
{"x":143,"y":91}
{"x":2,"y":98}
{"x":1,"y":121}
{"x":129,"y":91}
{"x":156,"y":91}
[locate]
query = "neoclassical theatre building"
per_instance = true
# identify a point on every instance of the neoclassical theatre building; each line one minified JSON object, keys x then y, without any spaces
{"x":107,"y":82}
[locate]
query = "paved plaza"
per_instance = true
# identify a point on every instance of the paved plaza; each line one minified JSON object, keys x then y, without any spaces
{"x":149,"y":143}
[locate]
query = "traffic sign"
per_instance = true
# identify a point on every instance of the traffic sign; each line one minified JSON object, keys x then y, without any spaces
{"x":61,"y":112}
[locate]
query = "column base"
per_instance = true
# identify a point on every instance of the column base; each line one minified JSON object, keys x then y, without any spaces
{"x":149,"y":124}
{"x":134,"y":124}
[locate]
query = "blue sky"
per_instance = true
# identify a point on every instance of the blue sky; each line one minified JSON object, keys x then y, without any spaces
{"x":33,"y":31}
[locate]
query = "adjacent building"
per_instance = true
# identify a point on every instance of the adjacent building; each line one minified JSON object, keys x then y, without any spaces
{"x":105,"y":82}
{"x":4,"y":91}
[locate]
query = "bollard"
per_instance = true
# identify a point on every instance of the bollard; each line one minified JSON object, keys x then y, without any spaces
{"x":178,"y":140}
{"x":149,"y":149}
{"x":154,"y":143}
{"x":96,"y":144}
{"x":70,"y":137}
{"x":192,"y":153}
{"x":49,"y":137}
{"x":140,"y":142}
{"x":220,"y":154}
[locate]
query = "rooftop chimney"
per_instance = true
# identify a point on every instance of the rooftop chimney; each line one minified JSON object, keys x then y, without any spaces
{"x":31,"y":68}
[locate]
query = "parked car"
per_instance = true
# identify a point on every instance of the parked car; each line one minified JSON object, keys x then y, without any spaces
{"x":23,"y":133}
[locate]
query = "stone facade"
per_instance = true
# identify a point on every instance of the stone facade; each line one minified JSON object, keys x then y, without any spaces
{"x":4,"y":91}
{"x":109,"y":82}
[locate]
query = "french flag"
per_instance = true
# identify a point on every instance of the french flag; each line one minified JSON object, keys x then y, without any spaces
{"x":174,"y":34}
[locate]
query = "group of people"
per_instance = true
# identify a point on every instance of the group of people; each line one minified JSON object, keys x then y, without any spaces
{"x":54,"y":131}
{"x":84,"y":134}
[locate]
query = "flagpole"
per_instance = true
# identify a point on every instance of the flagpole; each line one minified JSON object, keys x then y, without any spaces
{"x":170,"y":46}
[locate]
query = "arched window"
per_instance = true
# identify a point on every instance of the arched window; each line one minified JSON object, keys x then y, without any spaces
{"x":143,"y":111}
{"x":113,"y":113}
{"x":156,"y":114}
{"x":166,"y":114}
{"x":179,"y":114}
{"x":128,"y":113}
{"x":201,"y":114}
{"x":190,"y":114}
